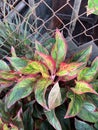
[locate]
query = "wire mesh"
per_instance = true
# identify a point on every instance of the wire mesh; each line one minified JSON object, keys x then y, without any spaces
{"x":24,"y":21}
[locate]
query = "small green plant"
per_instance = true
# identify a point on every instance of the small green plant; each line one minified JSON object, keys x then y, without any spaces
{"x":19,"y":35}
{"x":15,"y":34}
{"x":92,"y":7}
{"x":50,"y":92}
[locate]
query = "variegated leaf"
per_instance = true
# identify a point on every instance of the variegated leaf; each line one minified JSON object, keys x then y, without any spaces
{"x":4,"y":66}
{"x":41,"y":48}
{"x":82,"y":56}
{"x":81,"y":125}
{"x":54,"y":98}
{"x":83,"y":87}
{"x":88,"y":112}
{"x":95,"y":85}
{"x":35,"y":67}
{"x":69,"y":69}
{"x":51,"y":117}
{"x":49,"y":61}
{"x":89,"y":73}
{"x":8,"y":75}
{"x":40,"y":90}
{"x":74,"y":105}
{"x":59,"y":49}
{"x":17,"y":63}
{"x":22,"y":89}
{"x":95,"y":64}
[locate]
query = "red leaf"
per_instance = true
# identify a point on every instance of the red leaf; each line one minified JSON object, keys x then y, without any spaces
{"x":49,"y":61}
{"x":69,"y":69}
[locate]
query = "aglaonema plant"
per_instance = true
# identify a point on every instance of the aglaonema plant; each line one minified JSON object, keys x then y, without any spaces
{"x":50,"y":91}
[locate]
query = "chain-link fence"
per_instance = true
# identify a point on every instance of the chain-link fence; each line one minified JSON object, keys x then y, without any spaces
{"x":24,"y":21}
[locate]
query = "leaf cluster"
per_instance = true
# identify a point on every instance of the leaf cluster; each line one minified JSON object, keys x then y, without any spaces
{"x":51,"y":89}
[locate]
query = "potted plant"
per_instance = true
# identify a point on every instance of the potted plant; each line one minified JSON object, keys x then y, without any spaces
{"x":49,"y":91}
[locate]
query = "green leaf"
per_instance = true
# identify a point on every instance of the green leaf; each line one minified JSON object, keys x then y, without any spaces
{"x":54,"y":98}
{"x":59,"y":49}
{"x":6,"y":117}
{"x":83,"y":87}
{"x":49,"y":43}
{"x":3,"y":114}
{"x":35,"y":67}
{"x":22,"y":89}
{"x":82,"y":56}
{"x":40,"y":48}
{"x":49,"y":61}
{"x":28,"y":120}
{"x":51,"y":117}
{"x":18,"y":63}
{"x":4,"y":66}
{"x":69,"y":69}
{"x":75,"y":105}
{"x":46,"y":126}
{"x":89,"y":73}
{"x":96,"y":125}
{"x":88,"y":113}
{"x":40,"y":90}
{"x":80,"y":125}
{"x":63,"y":94}
{"x":92,"y":7}
{"x":17,"y":120}
{"x":60,"y":113}
{"x":95,"y":85}
{"x":38,"y":111}
{"x":95,"y":64}
{"x":93,"y":98}
{"x":8,"y":75}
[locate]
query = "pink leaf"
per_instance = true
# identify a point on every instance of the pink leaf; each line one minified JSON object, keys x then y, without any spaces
{"x":49,"y":61}
{"x":69,"y":69}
